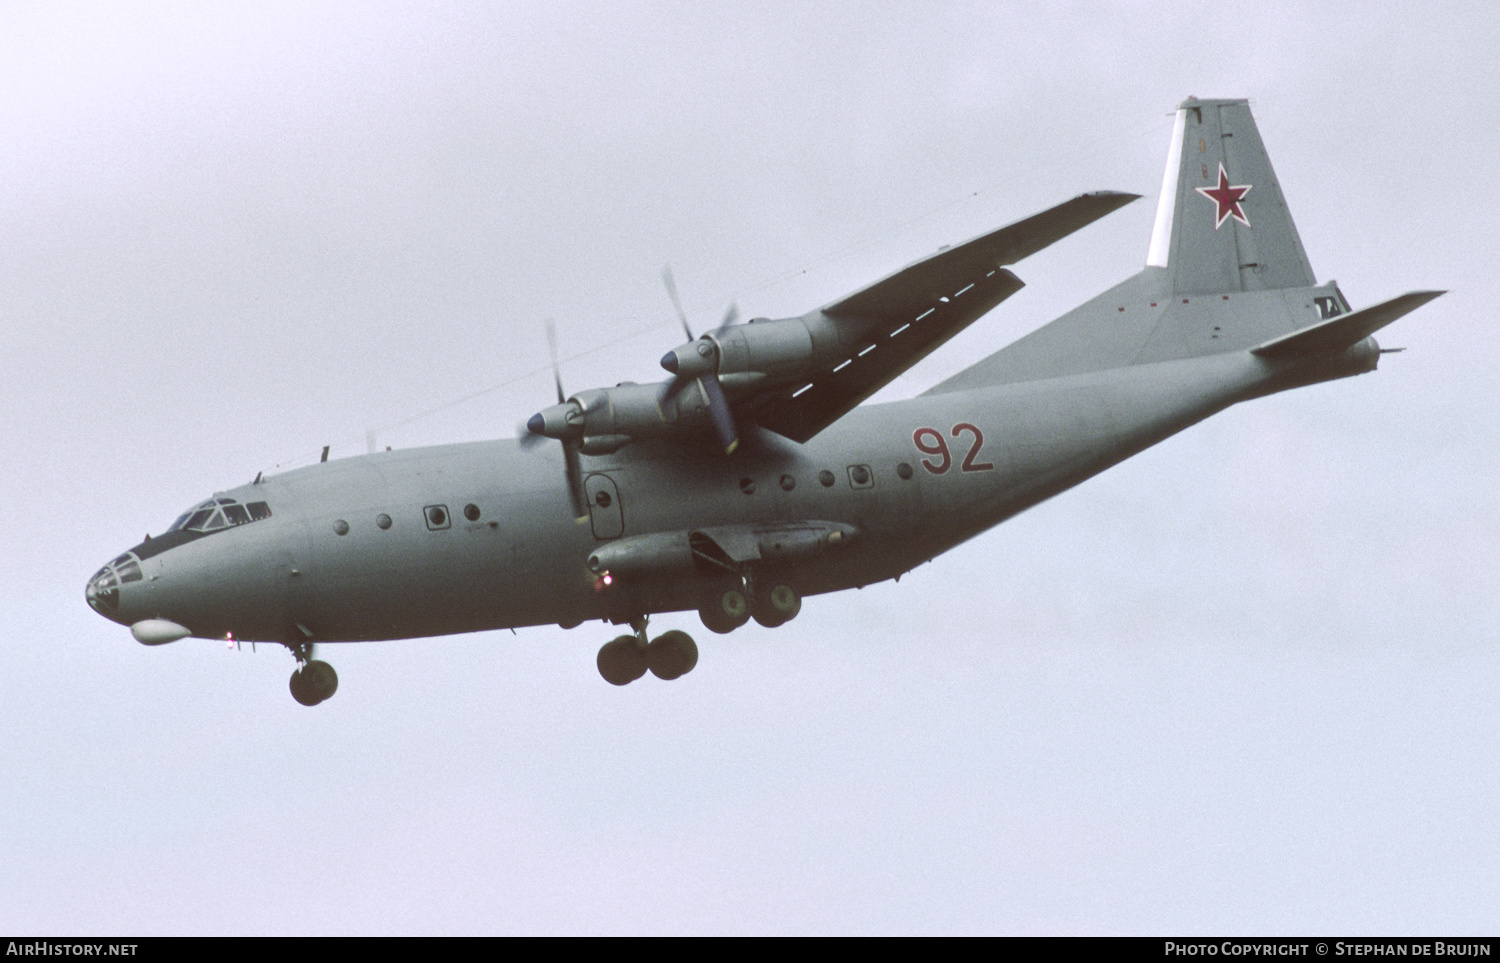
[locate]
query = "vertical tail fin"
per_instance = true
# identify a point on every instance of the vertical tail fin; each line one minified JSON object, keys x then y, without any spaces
{"x":1226,"y":272}
{"x":1222,"y":224}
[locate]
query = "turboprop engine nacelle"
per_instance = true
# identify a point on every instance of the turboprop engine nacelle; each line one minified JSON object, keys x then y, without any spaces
{"x":616,"y":415}
{"x":636,"y":410}
{"x":785,"y":349}
{"x":738,"y":357}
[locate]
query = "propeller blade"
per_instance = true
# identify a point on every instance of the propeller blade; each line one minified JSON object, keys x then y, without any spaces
{"x":556,"y":372}
{"x":672,"y":390}
{"x":666,"y":278}
{"x":731,"y":317}
{"x":719,"y":413}
{"x":575,"y":480}
{"x":572,"y":468}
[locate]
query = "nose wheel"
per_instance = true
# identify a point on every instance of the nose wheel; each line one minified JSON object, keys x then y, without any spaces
{"x":314,"y":681}
{"x":670,"y":655}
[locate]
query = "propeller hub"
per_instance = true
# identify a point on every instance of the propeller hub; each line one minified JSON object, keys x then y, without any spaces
{"x":556,"y":421}
{"x":691,"y":360}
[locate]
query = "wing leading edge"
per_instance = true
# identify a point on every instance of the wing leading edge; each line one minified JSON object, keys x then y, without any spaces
{"x":899,"y":320}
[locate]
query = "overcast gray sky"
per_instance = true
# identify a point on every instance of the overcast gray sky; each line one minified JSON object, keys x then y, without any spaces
{"x":1245,"y":682}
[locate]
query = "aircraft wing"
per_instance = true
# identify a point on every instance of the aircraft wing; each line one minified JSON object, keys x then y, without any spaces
{"x":900,"y":319}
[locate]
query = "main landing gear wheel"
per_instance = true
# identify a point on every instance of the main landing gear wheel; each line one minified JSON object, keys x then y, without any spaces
{"x":314,"y":682}
{"x":725,"y":610}
{"x":776,"y":607}
{"x":623,"y":661}
{"x":672,"y":655}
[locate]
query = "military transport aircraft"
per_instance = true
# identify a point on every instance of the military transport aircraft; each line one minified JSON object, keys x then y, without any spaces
{"x":751,"y":477}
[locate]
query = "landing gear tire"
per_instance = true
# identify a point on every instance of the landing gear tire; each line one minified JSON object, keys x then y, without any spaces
{"x":725,"y":611}
{"x":623,"y":661}
{"x":314,"y":682}
{"x":777,"y":606}
{"x":672,"y":655}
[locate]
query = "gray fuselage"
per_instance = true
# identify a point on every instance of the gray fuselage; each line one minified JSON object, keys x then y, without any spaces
{"x":912,"y":478}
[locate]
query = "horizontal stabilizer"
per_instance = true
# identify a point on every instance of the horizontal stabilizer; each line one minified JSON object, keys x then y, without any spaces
{"x":1338,"y":333}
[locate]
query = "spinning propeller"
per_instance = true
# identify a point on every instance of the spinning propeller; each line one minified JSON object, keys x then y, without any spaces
{"x":618,"y":414}
{"x":567,"y":433}
{"x":698,"y":361}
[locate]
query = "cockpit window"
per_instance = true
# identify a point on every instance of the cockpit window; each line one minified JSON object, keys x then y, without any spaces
{"x":217,"y":513}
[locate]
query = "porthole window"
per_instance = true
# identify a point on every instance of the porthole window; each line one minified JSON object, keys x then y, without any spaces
{"x":788,"y":483}
{"x":747,"y":485}
{"x":437,"y":516}
{"x":904,"y":470}
{"x":471,"y":512}
{"x":383,"y":520}
{"x":826,"y":478}
{"x":341,"y":527}
{"x":602,"y":499}
{"x":860,"y":476}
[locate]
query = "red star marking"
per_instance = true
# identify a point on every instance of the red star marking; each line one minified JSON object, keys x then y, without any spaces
{"x":1227,"y":199}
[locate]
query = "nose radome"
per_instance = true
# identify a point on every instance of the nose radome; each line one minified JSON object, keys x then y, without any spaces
{"x":158,"y":631}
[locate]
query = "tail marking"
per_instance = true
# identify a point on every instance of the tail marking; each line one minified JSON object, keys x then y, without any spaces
{"x":1226,"y":199}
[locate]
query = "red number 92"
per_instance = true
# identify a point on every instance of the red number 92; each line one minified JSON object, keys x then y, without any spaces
{"x":929,"y":441}
{"x":936,"y":446}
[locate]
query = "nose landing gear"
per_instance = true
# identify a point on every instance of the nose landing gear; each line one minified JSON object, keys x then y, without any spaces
{"x":670,"y":655}
{"x":314,"y":681}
